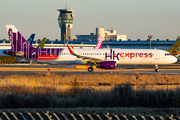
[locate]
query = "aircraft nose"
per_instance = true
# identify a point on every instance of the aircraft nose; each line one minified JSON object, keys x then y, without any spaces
{"x":174,"y":59}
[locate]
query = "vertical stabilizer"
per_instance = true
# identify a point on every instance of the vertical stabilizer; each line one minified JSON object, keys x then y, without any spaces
{"x":99,"y":44}
{"x":31,"y":39}
{"x":42,"y":43}
{"x":175,"y":47}
{"x":18,"y":42}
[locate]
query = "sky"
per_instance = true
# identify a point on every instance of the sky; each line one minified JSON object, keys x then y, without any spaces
{"x":135,"y":18}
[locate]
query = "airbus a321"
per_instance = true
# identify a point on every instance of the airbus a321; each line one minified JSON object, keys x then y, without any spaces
{"x":102,"y":58}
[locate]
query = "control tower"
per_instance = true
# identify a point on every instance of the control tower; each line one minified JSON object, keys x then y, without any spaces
{"x":65,"y":21}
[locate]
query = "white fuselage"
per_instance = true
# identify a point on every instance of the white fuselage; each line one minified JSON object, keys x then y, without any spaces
{"x":121,"y":56}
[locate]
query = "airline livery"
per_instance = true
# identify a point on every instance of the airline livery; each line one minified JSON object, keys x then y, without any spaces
{"x":30,"y":41}
{"x":174,"y":49}
{"x":102,"y":58}
{"x":99,"y":44}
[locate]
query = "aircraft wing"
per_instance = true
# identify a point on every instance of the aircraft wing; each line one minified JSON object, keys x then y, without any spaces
{"x":85,"y":59}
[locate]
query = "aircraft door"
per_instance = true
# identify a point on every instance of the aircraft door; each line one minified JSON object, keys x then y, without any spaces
{"x":157,"y":54}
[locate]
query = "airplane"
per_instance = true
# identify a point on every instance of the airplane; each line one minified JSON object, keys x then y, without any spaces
{"x":174,"y":49}
{"x":99,"y":44}
{"x":102,"y":58}
{"x":31,"y":39}
{"x":42,"y":43}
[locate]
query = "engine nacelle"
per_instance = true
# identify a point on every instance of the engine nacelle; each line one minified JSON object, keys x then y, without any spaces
{"x":107,"y":65}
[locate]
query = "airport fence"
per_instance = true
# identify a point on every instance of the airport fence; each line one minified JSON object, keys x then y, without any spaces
{"x":77,"y":116}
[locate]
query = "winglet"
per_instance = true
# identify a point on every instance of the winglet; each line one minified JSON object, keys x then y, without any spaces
{"x":70,"y":50}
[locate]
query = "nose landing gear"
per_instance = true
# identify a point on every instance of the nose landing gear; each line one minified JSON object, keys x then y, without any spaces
{"x":156,"y":68}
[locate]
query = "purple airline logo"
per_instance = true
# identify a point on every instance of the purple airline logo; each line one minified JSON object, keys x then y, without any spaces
{"x":131,"y":55}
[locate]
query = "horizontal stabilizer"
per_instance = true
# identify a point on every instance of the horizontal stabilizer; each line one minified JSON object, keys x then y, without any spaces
{"x":19,"y":53}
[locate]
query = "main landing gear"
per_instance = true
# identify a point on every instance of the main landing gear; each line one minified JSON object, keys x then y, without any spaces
{"x":156,"y":68}
{"x":90,"y":69}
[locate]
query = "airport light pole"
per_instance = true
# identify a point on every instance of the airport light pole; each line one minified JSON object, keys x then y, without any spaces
{"x":150,"y":37}
{"x":64,"y":35}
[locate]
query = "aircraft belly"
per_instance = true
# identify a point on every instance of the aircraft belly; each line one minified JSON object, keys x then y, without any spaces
{"x":70,"y":62}
{"x":67,"y":59}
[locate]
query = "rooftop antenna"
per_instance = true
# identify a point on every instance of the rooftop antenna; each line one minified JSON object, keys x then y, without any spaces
{"x":65,"y":6}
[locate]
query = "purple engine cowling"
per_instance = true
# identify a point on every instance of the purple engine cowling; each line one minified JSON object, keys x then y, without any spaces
{"x":107,"y":65}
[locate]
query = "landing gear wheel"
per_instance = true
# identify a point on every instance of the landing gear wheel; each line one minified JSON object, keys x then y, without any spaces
{"x":156,"y":70}
{"x":90,"y":69}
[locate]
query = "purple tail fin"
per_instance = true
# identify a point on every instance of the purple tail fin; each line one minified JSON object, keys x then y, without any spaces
{"x":18,"y":42}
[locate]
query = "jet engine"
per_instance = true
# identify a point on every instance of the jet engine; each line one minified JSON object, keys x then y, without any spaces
{"x":107,"y":65}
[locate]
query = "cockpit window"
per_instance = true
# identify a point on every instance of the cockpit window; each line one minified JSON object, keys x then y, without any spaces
{"x":167,"y":54}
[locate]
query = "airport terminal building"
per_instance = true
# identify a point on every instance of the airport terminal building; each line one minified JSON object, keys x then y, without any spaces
{"x":128,"y":44}
{"x":100,"y":32}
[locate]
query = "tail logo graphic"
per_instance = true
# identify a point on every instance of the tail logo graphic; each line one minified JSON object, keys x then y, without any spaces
{"x":33,"y":53}
{"x":99,"y":44}
{"x":10,"y":33}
